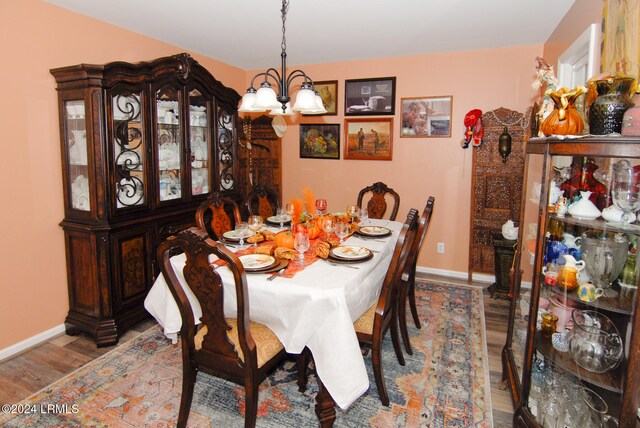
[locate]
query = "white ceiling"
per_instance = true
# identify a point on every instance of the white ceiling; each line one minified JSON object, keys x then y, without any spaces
{"x":247,"y":33}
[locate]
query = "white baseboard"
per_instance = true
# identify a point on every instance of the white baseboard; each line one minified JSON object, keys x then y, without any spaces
{"x":456,"y":274}
{"x":30,"y":342}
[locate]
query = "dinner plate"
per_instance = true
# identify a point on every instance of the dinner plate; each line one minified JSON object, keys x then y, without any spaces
{"x":350,"y":252}
{"x":374,"y":231}
{"x":234,"y":235}
{"x":334,"y":259}
{"x":275,"y":220}
{"x":258,"y":262}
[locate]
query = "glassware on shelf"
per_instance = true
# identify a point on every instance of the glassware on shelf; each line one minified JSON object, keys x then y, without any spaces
{"x":629,"y":275}
{"x":625,"y":189}
{"x":593,"y":411}
{"x":594,"y":342}
{"x":255,"y":224}
{"x":582,"y":179}
{"x":548,"y":325}
{"x":604,"y":254}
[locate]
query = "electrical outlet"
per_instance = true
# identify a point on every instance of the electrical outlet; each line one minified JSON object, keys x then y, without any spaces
{"x":440,"y":247}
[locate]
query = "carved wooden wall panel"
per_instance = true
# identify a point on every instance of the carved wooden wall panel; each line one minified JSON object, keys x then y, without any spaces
{"x":260,"y":164}
{"x":496,"y":185}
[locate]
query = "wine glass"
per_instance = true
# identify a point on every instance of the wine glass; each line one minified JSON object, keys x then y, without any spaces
{"x":328,"y":226}
{"x":353,"y":211}
{"x":290,"y":210}
{"x":321,"y":205}
{"x":301,"y":244}
{"x":364,"y":216}
{"x":242,"y":229}
{"x":281,"y":215}
{"x":342,"y":231}
{"x":255,"y":223}
{"x":625,"y":190}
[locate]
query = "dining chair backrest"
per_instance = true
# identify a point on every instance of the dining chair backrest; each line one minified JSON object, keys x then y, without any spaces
{"x":217,"y":215}
{"x":388,"y":293}
{"x":377,"y":204}
{"x":262,"y":201}
{"x":423,"y":226}
{"x":210,"y":346}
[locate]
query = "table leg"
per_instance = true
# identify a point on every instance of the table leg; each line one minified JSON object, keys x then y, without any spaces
{"x":325,"y":406}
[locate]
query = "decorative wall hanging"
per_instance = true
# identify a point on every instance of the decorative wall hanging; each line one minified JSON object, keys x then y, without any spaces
{"x":474,"y":130}
{"x":328,"y":92}
{"x":426,"y":117}
{"x":621,"y":37}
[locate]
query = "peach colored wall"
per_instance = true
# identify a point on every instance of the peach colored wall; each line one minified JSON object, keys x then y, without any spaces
{"x":34,"y":37}
{"x":485,"y":79}
{"x":582,"y":14}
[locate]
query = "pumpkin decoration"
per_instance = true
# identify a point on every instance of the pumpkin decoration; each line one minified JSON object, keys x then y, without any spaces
{"x":313,"y":230}
{"x":284,"y":239}
{"x":564,"y":119}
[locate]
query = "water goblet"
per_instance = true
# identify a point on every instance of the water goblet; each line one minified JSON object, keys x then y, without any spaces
{"x":281,"y":215}
{"x":364,"y":215}
{"x":301,"y":244}
{"x":625,"y":190}
{"x":242,"y":229}
{"x":353,"y":211}
{"x":255,"y":223}
{"x":328,"y":226}
{"x":321,"y":205}
{"x":290,"y":210}
{"x":342,"y":231}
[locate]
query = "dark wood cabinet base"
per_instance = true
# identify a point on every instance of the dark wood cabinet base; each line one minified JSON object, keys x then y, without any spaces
{"x":105,"y":332}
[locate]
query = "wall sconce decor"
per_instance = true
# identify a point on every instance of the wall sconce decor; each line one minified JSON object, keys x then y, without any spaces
{"x":504,"y":144}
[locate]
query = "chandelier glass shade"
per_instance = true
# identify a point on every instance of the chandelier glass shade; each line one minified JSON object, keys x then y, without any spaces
{"x":278,"y":103}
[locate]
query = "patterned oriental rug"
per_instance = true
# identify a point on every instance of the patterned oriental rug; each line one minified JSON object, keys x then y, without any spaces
{"x":444,"y":384}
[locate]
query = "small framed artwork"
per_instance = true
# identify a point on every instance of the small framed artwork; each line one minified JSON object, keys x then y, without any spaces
{"x":370,"y":97}
{"x":328,"y":91}
{"x":426,"y":117}
{"x":368,"y":139}
{"x":320,"y":141}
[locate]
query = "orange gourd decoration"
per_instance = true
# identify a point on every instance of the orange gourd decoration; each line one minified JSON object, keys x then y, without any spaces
{"x":564,"y":119}
{"x":284,"y":239}
{"x":313,"y":230}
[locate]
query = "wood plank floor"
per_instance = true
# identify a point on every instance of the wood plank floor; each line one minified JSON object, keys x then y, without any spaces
{"x":37,"y":367}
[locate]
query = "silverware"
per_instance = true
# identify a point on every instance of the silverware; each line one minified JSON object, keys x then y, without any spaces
{"x":226,"y":244}
{"x":276,"y":274}
{"x":340,"y":264}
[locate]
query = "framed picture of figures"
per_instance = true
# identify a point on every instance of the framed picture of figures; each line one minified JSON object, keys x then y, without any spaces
{"x":426,"y":117}
{"x":368,"y":139}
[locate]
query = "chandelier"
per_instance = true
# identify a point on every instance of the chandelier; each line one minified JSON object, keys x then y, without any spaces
{"x":265,"y":98}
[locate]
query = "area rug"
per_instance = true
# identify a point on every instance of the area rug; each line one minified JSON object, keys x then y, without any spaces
{"x":445,"y":383}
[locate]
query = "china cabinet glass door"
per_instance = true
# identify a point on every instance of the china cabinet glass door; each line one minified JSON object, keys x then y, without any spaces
{"x":168,"y":118}
{"x":129,"y":149}
{"x":199,"y":142}
{"x":225,"y":139}
{"x":76,"y":140}
{"x":583,"y":268}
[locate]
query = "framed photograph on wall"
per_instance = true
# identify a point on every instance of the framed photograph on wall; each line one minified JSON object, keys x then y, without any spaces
{"x":328,"y":91}
{"x":426,"y":116}
{"x":370,"y":97}
{"x":621,"y":37}
{"x":368,"y":139}
{"x":320,"y":141}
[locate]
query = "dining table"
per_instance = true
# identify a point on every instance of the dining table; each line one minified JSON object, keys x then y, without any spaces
{"x":313,"y":308}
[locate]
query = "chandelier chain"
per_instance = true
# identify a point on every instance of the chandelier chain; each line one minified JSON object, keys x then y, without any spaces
{"x":284,"y":10}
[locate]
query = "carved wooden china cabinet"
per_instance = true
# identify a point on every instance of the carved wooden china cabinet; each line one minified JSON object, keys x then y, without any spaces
{"x":572,"y":355}
{"x":142,"y":145}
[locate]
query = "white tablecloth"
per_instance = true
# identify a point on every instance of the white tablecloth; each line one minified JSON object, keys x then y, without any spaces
{"x":316,"y":308}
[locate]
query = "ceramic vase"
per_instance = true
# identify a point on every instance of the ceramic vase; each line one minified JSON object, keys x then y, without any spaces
{"x":564,"y":119}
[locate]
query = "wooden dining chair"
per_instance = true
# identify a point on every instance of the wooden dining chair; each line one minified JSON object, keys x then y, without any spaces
{"x":377,"y":204}
{"x":217,"y":215}
{"x":408,"y":278}
{"x":262,"y":201}
{"x":382,"y":316}
{"x":236,"y":349}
